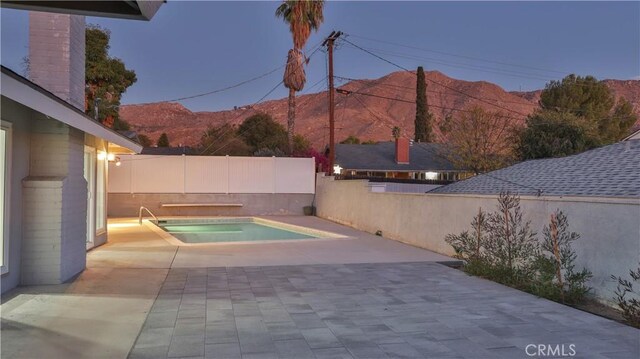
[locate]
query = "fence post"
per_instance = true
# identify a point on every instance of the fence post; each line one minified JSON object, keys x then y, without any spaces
{"x":275,"y":177}
{"x":228,"y":174}
{"x":131,"y":163}
{"x":184,"y":173}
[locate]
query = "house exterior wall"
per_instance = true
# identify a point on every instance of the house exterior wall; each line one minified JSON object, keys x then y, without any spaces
{"x":610,"y":235}
{"x":55,"y":193}
{"x":57,"y":54}
{"x":20,"y":118}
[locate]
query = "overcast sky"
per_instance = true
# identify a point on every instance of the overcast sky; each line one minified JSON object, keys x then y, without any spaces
{"x":194,"y":47}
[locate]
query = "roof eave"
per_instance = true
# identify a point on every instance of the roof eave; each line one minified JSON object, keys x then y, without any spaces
{"x":27,"y":93}
{"x":132,"y":9}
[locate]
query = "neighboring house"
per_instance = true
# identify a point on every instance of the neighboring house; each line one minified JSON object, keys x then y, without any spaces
{"x":54,"y":163}
{"x":401,"y":160}
{"x":609,"y":171}
{"x":633,"y":136}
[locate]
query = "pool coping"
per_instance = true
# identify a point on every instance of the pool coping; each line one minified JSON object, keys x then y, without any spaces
{"x":321,"y":235}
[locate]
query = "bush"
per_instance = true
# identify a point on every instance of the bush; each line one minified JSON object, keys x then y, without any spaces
{"x":556,"y":275}
{"x":512,"y":244}
{"x":469,"y":247}
{"x":502,"y":247}
{"x":630,"y":306}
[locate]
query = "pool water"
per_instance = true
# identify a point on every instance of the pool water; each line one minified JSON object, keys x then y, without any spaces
{"x":229,"y":232}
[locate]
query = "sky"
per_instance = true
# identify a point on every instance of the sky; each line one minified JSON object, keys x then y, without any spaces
{"x":190,"y":47}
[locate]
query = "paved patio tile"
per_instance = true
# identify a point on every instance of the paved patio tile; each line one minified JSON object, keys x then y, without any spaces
{"x":186,"y":346}
{"x":332,"y":353}
{"x":222,"y":351}
{"x":294,"y":349}
{"x":388,"y":310}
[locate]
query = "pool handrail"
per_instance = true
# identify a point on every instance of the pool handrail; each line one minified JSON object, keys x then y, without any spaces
{"x":148,"y":211}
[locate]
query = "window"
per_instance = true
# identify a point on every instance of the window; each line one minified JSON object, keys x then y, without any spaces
{"x":101,"y":194}
{"x":5,"y":190}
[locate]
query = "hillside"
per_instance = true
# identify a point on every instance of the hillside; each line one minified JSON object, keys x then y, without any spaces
{"x":369,"y":118}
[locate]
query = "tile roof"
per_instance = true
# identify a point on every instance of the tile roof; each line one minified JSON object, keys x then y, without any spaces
{"x":609,"y":171}
{"x":382,"y":157}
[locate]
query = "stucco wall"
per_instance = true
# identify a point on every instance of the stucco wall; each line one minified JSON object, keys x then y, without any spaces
{"x":128,"y":205}
{"x":609,"y":228}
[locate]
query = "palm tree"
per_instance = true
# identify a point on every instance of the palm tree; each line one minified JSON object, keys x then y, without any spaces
{"x":302,"y":17}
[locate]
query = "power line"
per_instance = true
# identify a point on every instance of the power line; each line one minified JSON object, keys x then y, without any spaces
{"x":436,"y":82}
{"x":347,"y":92}
{"x":218,"y":90}
{"x":316,"y":48}
{"x":432,"y":91}
{"x":247,"y":129}
{"x":461,"y":56}
{"x":463,"y":65}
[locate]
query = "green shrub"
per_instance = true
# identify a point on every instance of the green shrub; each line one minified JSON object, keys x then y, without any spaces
{"x":627,"y":297}
{"x":469,"y":246}
{"x":511,"y":243}
{"x":502,"y":247}
{"x":555,"y":265}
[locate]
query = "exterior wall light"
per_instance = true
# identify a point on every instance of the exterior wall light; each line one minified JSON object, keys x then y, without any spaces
{"x":102,"y":155}
{"x":111,"y":157}
{"x":118,"y":163}
{"x":337,"y":169}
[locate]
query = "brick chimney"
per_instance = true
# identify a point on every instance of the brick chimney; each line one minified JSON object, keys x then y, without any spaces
{"x":56,"y":54}
{"x":402,"y":151}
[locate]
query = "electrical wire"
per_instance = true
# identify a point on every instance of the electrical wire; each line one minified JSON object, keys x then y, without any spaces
{"x":460,"y":56}
{"x":315,"y":49}
{"x":436,"y":82}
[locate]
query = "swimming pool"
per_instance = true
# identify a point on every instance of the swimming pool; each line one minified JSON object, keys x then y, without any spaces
{"x":225,"y":230}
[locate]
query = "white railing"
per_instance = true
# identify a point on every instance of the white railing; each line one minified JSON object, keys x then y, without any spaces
{"x":148,"y":211}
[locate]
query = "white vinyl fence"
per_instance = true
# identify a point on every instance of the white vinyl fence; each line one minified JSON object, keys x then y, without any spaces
{"x":209,"y":174}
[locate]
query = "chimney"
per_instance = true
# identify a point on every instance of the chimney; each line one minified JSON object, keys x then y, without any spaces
{"x":56,"y":55}
{"x":402,"y":151}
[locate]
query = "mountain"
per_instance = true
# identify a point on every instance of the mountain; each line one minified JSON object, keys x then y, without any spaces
{"x":366,"y":117}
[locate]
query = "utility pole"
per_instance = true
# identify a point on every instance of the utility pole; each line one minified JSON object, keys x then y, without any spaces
{"x":329,"y":41}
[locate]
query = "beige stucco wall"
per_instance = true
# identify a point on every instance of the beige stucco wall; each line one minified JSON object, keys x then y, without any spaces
{"x":609,"y":228}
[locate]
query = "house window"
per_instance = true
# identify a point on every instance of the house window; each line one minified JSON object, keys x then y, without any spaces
{"x":5,"y":190}
{"x":101,"y":194}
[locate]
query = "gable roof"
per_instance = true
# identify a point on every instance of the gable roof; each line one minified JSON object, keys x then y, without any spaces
{"x":609,"y":171}
{"x":382,"y":157}
{"x":29,"y":94}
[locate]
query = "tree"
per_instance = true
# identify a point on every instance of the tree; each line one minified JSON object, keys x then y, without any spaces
{"x":577,"y":114}
{"x":556,"y":262}
{"x":351,"y":140}
{"x":555,"y":134}
{"x":223,"y":140}
{"x":424,"y":118}
{"x":261,"y":131}
{"x":512,"y":245}
{"x":395,"y":132}
{"x":163,"y":140}
{"x":302,"y":16}
{"x":144,"y":140}
{"x":106,"y":78}
{"x":479,"y":140}
{"x":300,"y":145}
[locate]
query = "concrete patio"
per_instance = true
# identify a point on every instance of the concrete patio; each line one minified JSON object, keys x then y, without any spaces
{"x":363,"y":296}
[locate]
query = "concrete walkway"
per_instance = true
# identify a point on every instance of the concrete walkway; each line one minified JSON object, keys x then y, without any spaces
{"x":363,"y":296}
